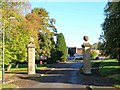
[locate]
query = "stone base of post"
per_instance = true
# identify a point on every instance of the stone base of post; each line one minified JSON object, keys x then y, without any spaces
{"x":86,"y":69}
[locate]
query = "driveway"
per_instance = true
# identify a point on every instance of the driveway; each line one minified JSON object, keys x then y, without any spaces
{"x":66,"y":75}
{"x":63,"y":75}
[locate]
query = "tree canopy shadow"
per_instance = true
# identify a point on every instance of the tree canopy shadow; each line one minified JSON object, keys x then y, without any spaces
{"x":71,"y":76}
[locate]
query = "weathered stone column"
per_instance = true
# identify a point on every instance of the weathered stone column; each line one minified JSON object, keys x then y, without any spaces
{"x":86,"y":56}
{"x":31,"y":57}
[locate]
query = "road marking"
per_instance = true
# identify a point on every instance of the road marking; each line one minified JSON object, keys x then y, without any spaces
{"x":42,"y":75}
{"x":53,"y":69}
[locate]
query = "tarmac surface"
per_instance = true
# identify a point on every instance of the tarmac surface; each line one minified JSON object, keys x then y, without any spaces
{"x":62,"y":75}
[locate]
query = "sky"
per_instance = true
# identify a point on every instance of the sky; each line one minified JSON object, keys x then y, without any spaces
{"x":76,"y":19}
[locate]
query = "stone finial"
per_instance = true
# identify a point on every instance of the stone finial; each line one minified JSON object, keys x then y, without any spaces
{"x":86,"y":44}
{"x":31,"y":40}
{"x":86,"y":38}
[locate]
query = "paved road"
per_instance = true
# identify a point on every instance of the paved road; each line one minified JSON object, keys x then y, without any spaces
{"x":64,"y":75}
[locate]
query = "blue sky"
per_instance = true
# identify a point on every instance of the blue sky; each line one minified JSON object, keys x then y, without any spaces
{"x":76,"y":19}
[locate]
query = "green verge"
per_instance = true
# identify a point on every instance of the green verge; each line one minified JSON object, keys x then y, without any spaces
{"x":110,"y":68}
{"x":23,"y":68}
{"x":8,"y":86}
{"x":93,"y":62}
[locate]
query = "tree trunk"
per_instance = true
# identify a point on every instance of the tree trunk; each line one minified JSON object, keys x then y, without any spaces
{"x":17,"y":64}
{"x":119,"y":54}
{"x":9,"y":67}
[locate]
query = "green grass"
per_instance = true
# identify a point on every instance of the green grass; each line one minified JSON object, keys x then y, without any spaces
{"x":109,"y":67}
{"x":23,"y":68}
{"x":116,"y":78}
{"x":70,"y":60}
{"x":117,"y":85}
{"x":94,"y":62}
{"x":7,"y":86}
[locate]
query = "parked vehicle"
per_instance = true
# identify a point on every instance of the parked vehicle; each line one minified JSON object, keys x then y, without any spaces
{"x":97,"y":58}
{"x":70,"y":58}
{"x":43,"y":57}
{"x":78,"y":56}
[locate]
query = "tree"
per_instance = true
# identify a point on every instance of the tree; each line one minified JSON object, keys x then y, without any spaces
{"x":54,"y":56}
{"x":95,"y":46}
{"x":16,"y":39}
{"x":34,"y":27}
{"x":44,"y":34}
{"x":16,"y":36}
{"x":18,"y":31}
{"x":61,"y":47}
{"x":111,"y":29}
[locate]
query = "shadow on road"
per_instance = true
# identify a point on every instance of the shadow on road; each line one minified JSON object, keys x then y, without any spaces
{"x":69,"y":73}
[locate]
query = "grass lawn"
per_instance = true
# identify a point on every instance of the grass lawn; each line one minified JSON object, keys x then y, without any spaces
{"x":110,"y":68}
{"x":94,"y":62}
{"x":7,"y":86}
{"x":70,"y":60}
{"x":23,"y":68}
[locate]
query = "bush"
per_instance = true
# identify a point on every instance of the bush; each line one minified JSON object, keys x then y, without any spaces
{"x":94,"y":54}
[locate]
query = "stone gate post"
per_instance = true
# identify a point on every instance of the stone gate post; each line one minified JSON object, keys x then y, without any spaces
{"x":86,"y":56}
{"x":31,"y":57}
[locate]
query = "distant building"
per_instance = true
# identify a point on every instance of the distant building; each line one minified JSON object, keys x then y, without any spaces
{"x":71,"y":51}
{"x":74,"y":50}
{"x":79,"y":51}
